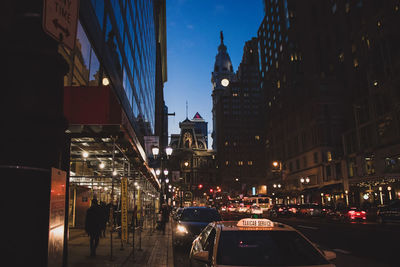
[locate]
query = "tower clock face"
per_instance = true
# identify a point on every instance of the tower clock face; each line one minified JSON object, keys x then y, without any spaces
{"x":225,"y":82}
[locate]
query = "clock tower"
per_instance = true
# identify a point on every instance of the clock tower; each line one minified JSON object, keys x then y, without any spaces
{"x":221,"y":77}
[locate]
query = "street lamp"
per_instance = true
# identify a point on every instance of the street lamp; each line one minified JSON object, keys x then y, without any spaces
{"x":380,"y":195}
{"x":347,"y":197}
{"x":390,"y":192}
{"x":163,"y":155}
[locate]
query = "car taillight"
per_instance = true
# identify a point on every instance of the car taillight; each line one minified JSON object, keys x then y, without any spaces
{"x":351,"y":212}
{"x":363,"y":212}
{"x":311,"y":209}
{"x":280,"y":209}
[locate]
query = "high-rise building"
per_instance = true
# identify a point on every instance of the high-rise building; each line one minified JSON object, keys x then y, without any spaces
{"x":304,"y":99}
{"x":370,"y":54}
{"x":329,"y":78}
{"x":238,"y":133}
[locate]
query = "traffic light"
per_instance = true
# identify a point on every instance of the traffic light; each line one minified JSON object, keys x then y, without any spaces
{"x":219,"y":189}
{"x":200,"y":186}
{"x":211,"y":190}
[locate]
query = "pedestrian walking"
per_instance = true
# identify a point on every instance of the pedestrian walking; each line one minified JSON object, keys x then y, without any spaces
{"x":164,"y":217}
{"x":93,"y":225}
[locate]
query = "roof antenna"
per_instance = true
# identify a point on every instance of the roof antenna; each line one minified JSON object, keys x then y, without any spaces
{"x":186,"y":109}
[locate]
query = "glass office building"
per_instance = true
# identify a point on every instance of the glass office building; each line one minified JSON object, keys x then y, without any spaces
{"x":116,"y":39}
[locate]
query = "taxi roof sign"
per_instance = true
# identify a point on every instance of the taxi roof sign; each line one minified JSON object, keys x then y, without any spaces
{"x":249,"y":222}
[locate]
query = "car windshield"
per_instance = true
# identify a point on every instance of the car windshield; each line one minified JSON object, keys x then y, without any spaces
{"x":200,"y":215}
{"x":266,"y":248}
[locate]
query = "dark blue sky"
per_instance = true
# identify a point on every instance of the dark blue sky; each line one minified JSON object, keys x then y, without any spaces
{"x":193,"y":37}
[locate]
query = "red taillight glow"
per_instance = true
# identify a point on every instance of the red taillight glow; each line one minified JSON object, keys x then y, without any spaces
{"x":311,"y":209}
{"x":280,"y":209}
{"x":363,"y":212}
{"x":351,"y":212}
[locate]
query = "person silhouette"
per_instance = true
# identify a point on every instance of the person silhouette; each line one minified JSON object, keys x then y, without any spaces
{"x":93,"y":225}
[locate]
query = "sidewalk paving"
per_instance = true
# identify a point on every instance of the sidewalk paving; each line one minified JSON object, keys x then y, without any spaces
{"x":156,"y":250}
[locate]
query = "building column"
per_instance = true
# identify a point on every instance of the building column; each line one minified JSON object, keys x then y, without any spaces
{"x":33,"y":125}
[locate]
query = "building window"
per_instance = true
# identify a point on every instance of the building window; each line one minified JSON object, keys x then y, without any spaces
{"x":315,"y":157}
{"x":328,"y":171}
{"x":334,"y":8}
{"x":226,"y":143}
{"x":341,"y":57}
{"x":355,"y":63}
{"x":250,"y":163}
{"x":227,"y":162}
{"x":352,"y":167}
{"x":235,"y":94}
{"x":257,"y":137}
{"x":240,"y":163}
{"x":347,"y":7}
{"x":369,"y":165}
{"x":329,"y":156}
{"x":392,"y":164}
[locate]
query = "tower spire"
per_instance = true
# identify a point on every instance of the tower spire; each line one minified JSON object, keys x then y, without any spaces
{"x":222,"y":37}
{"x":186,"y":109}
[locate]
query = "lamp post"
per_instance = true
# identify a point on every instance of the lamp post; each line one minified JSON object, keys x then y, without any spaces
{"x":390,"y":192}
{"x":347,"y":197}
{"x":380,"y":195}
{"x":304,"y":181}
{"x":164,"y":173}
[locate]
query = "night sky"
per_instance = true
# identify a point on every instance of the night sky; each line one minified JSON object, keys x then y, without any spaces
{"x":193,"y":36}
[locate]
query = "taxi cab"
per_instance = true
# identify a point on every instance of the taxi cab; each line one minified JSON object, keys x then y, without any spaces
{"x":255,"y":242}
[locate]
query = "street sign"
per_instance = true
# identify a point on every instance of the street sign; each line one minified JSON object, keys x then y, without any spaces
{"x":60,"y":20}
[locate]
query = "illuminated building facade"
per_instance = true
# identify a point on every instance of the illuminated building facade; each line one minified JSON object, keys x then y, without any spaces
{"x":237,"y":106}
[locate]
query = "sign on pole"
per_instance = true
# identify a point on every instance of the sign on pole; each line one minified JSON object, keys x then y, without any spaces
{"x":57,"y":217}
{"x":124,"y":209}
{"x":60,"y":20}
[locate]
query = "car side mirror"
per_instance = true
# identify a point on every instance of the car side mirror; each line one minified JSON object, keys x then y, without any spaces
{"x":202,"y":256}
{"x":329,"y":255}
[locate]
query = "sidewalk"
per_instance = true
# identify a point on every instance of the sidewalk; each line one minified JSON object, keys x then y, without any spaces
{"x":156,"y":250}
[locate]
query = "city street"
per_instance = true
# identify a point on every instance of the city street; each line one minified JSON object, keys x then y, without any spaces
{"x":355,"y":244}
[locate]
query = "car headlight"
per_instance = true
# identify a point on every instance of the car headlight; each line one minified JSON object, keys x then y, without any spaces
{"x":182,"y":229}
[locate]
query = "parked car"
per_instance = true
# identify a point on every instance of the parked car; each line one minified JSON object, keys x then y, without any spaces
{"x":279,"y":210}
{"x":241,"y":208}
{"x":231,"y":208}
{"x":348,"y":214}
{"x":309,"y":209}
{"x":389,"y":213}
